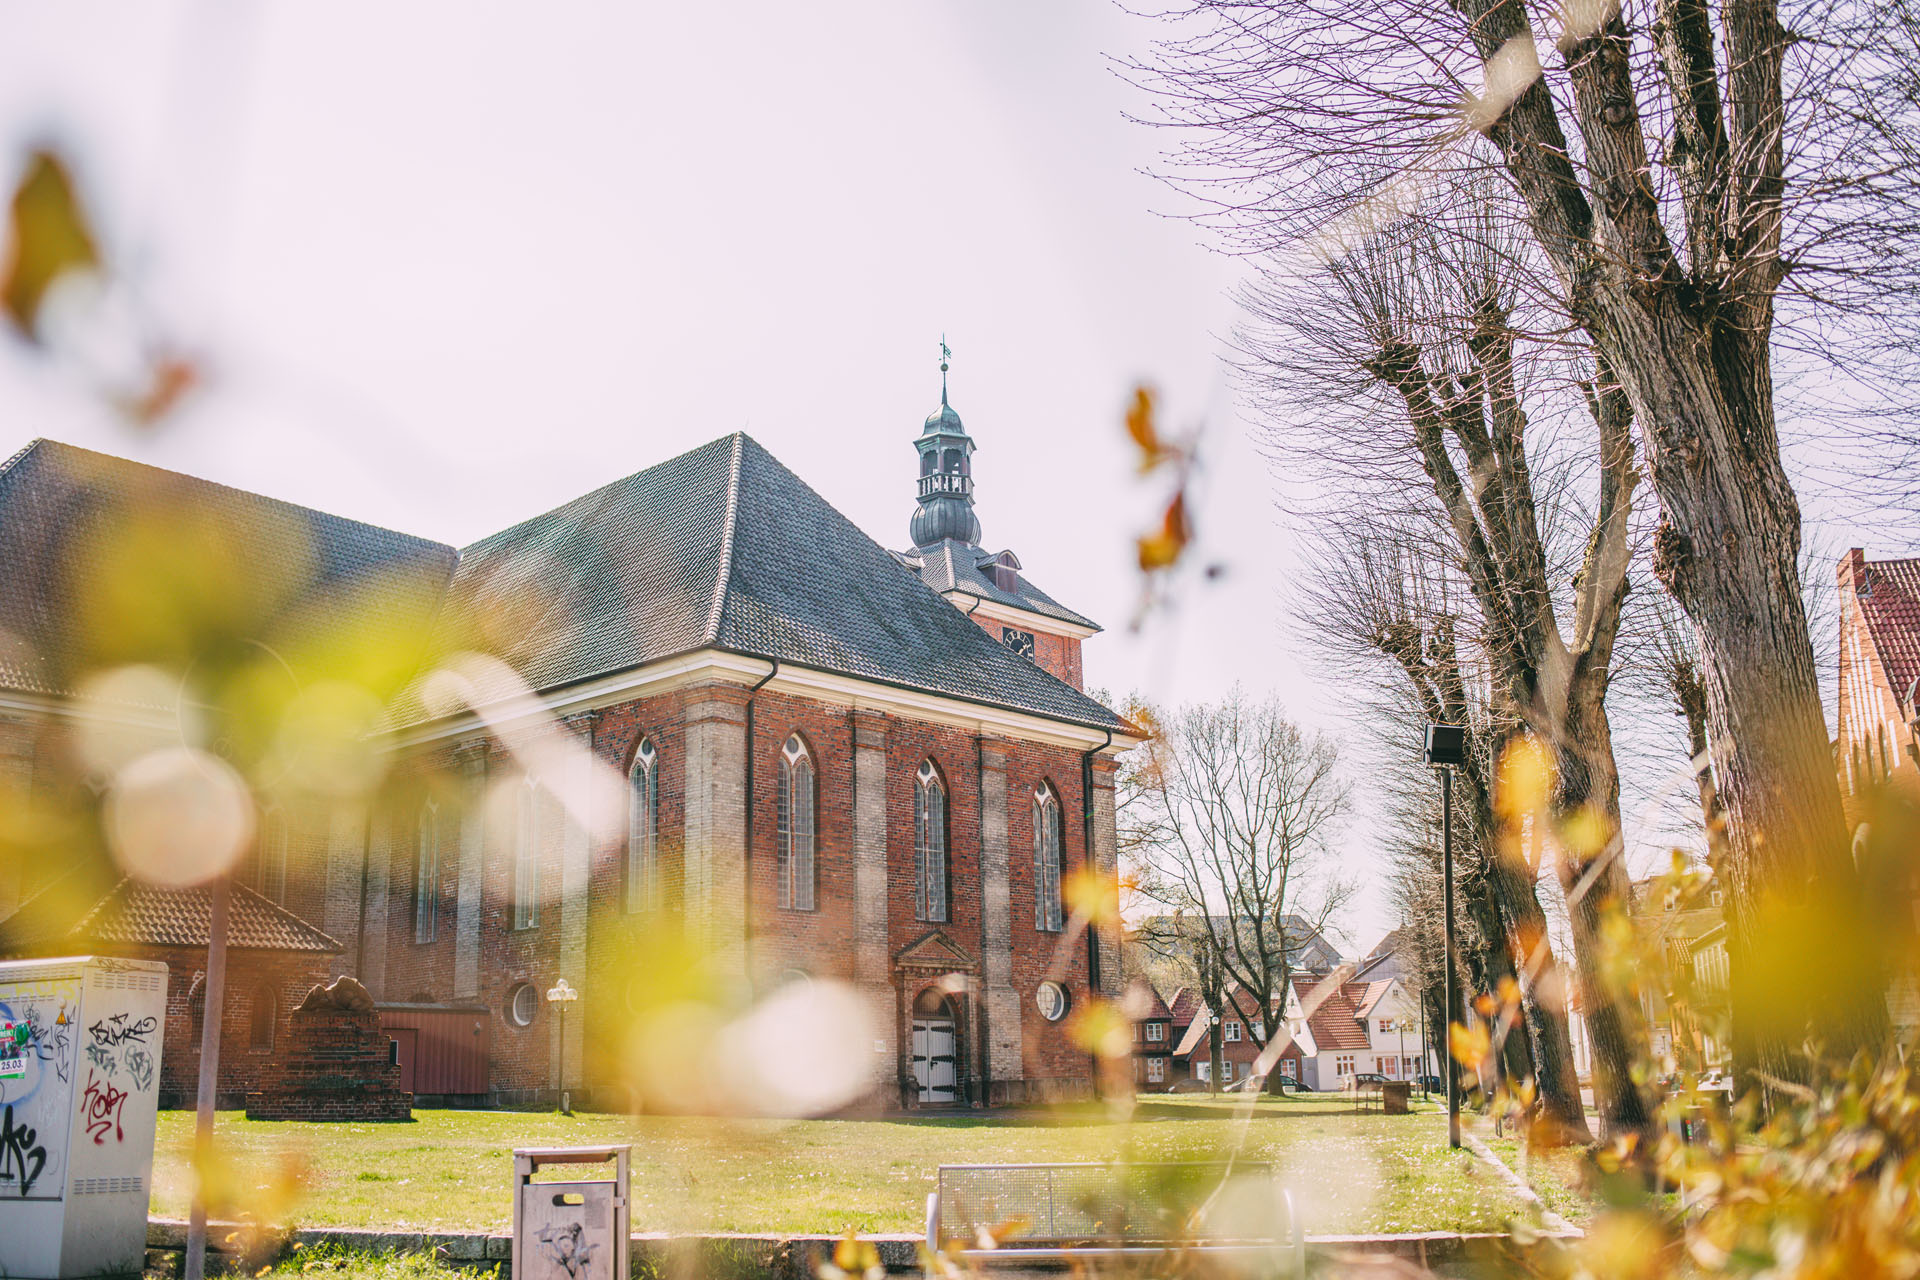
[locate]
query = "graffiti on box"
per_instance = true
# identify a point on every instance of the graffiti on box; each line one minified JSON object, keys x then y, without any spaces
{"x":39,"y":1053}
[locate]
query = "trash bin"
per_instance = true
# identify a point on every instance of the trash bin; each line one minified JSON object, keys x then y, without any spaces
{"x":79,"y":1087}
{"x":570,"y":1230}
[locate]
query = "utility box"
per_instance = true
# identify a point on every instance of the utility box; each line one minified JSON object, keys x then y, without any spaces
{"x":570,"y":1230}
{"x":79,"y":1088}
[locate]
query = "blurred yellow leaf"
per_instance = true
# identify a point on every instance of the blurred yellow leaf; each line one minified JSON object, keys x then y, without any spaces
{"x":1526,"y":772}
{"x":1585,"y":833}
{"x":1140,"y":427}
{"x":1088,"y":891}
{"x":48,"y":237}
{"x":1468,"y":1045}
{"x":1101,"y":1028}
{"x":1160,"y":550}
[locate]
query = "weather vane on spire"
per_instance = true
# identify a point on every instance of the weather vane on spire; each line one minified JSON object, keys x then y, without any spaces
{"x":946,"y":356}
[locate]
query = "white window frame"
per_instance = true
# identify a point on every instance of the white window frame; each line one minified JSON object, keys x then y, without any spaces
{"x":643,"y":828}
{"x":1342,"y":1065}
{"x":1156,"y":1070}
{"x":526,"y":855}
{"x":1049,"y":859}
{"x":426,"y":874}
{"x":1156,"y":1031}
{"x":1230,"y":1032}
{"x":798,"y":833}
{"x":929,"y":844}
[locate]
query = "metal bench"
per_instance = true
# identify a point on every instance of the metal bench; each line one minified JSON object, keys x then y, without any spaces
{"x":1030,"y":1214}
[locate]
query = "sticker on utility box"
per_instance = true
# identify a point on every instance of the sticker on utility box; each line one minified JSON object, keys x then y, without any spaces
{"x":14,"y":1039}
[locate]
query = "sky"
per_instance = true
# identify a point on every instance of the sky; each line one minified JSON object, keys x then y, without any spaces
{"x":450,"y":265}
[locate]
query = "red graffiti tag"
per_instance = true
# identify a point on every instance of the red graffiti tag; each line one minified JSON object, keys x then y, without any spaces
{"x":103,"y":1104}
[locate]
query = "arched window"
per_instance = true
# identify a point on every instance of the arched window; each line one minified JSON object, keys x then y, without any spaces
{"x":1048,"y":854}
{"x":928,"y":462}
{"x":526,"y":856}
{"x":794,"y":865}
{"x":260,"y":1020}
{"x":426,"y":873}
{"x":272,"y":879}
{"x":929,"y":844}
{"x":643,"y":828}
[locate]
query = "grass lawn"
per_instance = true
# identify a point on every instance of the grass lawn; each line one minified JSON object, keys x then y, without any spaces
{"x":453,"y":1169}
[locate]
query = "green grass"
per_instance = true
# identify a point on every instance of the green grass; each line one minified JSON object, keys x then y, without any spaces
{"x":453,"y":1169}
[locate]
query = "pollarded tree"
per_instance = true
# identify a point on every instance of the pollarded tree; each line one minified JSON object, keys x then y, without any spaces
{"x":1691,"y":172}
{"x":1426,"y":321}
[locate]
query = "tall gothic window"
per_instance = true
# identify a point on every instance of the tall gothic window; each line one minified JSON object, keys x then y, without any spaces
{"x":1048,"y":854}
{"x":526,"y":856}
{"x":929,"y":845}
{"x":426,"y":873}
{"x":271,"y":877}
{"x":643,"y":828}
{"x":795,"y":861}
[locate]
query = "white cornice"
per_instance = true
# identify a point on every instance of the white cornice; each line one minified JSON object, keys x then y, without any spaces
{"x":713,"y":664}
{"x":986,"y":608}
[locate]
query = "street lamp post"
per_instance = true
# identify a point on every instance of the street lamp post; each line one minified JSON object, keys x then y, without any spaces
{"x":1447,"y":749}
{"x":560,"y":995}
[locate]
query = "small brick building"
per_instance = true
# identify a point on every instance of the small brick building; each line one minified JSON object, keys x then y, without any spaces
{"x":273,"y":959}
{"x":709,"y":707}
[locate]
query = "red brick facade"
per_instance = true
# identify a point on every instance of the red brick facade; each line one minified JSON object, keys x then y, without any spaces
{"x":1058,"y":655}
{"x":779,"y":943}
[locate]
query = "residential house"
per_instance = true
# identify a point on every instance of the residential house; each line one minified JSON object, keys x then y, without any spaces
{"x":1153,"y":1041}
{"x":1660,"y":919}
{"x":1240,"y":1046}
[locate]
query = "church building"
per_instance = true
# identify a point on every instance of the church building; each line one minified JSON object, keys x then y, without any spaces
{"x":836,"y":762}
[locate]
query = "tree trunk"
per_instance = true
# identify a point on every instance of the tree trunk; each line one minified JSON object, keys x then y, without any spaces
{"x":1595,"y":882}
{"x":1545,"y":1012}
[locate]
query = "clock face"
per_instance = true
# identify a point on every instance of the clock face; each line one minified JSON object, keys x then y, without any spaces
{"x":1021,"y":642}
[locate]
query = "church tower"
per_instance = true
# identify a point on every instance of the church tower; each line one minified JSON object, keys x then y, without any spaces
{"x":987,"y":586}
{"x":946,"y":475}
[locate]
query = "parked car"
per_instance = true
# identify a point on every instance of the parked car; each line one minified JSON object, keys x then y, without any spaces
{"x":1365,"y":1079}
{"x":1432,"y":1084}
{"x":1250,"y":1084}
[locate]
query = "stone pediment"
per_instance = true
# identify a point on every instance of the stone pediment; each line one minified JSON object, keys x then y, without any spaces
{"x":937,"y":953}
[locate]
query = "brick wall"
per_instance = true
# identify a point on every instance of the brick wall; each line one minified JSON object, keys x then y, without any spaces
{"x":335,"y":1066}
{"x":711,"y":747}
{"x":284,"y":978}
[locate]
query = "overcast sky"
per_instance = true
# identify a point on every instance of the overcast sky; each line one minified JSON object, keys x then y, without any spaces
{"x":453,"y":264}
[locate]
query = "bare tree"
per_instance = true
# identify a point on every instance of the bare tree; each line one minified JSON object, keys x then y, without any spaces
{"x":1379,"y":594}
{"x":1423,"y":318}
{"x":1243,"y":807}
{"x":1690,"y":173}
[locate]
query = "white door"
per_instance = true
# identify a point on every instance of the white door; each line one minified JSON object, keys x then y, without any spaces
{"x":933,"y":1059}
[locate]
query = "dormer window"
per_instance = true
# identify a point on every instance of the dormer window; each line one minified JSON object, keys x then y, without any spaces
{"x":1003,"y":571}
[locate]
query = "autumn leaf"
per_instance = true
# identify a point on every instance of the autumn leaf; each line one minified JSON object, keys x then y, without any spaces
{"x":1468,"y":1045}
{"x":48,"y":237}
{"x":1096,"y":896}
{"x":1160,"y":550}
{"x":1100,"y":1028}
{"x":1526,"y":771}
{"x":1140,"y":427}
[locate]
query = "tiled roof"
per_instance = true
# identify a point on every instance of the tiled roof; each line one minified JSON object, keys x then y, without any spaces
{"x":723,"y":547}
{"x":1155,"y":1009}
{"x":1185,"y":1003}
{"x":1375,"y":993}
{"x":1336,"y":1024}
{"x":136,"y":914}
{"x":955,"y":566}
{"x":1891,"y":609}
{"x":1195,"y":1037}
{"x":293,"y":574}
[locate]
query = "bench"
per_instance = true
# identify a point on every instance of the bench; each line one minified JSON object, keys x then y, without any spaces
{"x":1066,"y":1213}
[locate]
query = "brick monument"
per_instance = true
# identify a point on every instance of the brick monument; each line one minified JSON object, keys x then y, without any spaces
{"x":338,"y":1064}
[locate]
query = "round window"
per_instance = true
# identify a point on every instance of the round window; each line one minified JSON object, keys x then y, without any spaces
{"x":522,"y":1004}
{"x":1053,"y":999}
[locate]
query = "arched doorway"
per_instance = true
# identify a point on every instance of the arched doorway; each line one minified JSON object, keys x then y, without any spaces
{"x":936,"y":1048}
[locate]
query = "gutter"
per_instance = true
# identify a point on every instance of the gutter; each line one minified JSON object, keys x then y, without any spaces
{"x":1086,"y":858}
